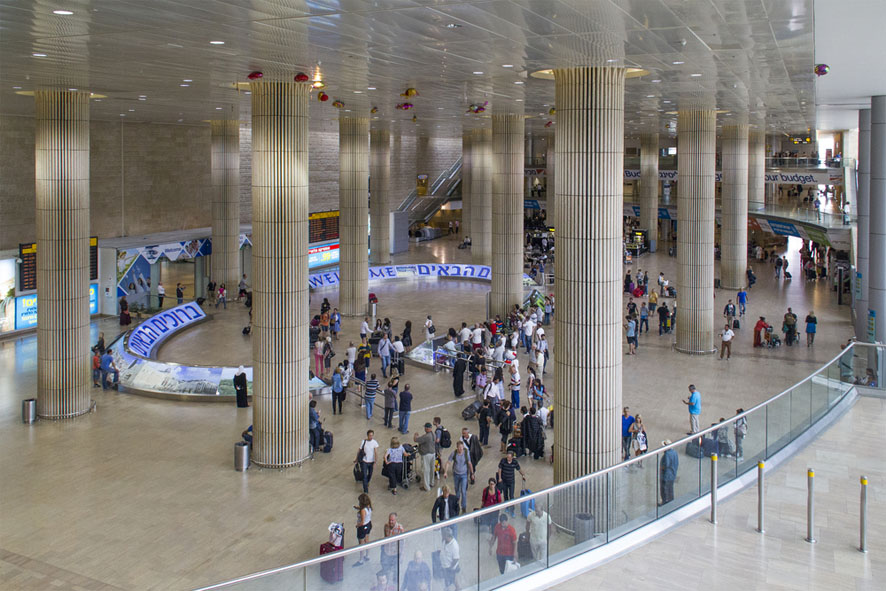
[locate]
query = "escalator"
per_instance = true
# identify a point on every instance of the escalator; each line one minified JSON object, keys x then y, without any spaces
{"x":446,"y":187}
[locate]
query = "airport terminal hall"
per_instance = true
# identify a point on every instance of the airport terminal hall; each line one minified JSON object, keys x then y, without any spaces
{"x":442,"y":295}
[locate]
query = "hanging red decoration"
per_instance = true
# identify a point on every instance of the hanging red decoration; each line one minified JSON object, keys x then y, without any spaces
{"x":338,"y":104}
{"x":549,"y":123}
{"x":404,"y":106}
{"x":302,"y":77}
{"x":478,"y":108}
{"x":255,"y":75}
{"x":322,"y":97}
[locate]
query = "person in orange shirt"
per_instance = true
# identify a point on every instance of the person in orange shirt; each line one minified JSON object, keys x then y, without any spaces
{"x":506,"y":536}
{"x":324,"y":321}
{"x":96,"y":368}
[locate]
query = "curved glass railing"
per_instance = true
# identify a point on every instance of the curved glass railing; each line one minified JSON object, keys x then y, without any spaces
{"x":589,"y":512}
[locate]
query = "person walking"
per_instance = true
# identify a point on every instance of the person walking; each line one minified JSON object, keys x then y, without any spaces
{"x":644,"y":318}
{"x":726,"y":337}
{"x":222,"y":297}
{"x":694,"y":404}
{"x":541,"y":529}
{"x":390,"y":552}
{"x":458,"y":373}
{"x":462,"y":468}
{"x":670,"y":462}
{"x":514,"y":386}
{"x":364,"y":350}
{"x":445,"y":507}
{"x":533,"y":431}
{"x":741,"y":430}
{"x":393,"y":464}
{"x":504,"y":538}
{"x":405,"y":409}
{"x":417,"y":576}
{"x":449,"y":559}
{"x":318,"y":358}
{"x":430,"y":329}
{"x":811,"y":325}
{"x":335,"y":324}
{"x":427,"y":451}
{"x":639,"y":440}
{"x":369,"y":393}
{"x":484,"y":418}
{"x":631,"y":332}
{"x":179,"y":294}
{"x":240,"y":387}
{"x":390,"y":406}
{"x":366,"y":458}
{"x":507,"y":469}
{"x":663,"y":315}
{"x":790,"y":327}
{"x":729,"y":313}
{"x":742,"y":297}
{"x":505,"y":420}
{"x":364,"y":524}
{"x":161,"y":294}
{"x":384,"y":352}
{"x":778,"y":265}
{"x":784,"y":267}
{"x":626,"y":422}
{"x":338,"y":390}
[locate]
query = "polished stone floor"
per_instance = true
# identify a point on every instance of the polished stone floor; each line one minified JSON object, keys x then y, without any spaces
{"x":732,"y":555}
{"x":142,"y":494}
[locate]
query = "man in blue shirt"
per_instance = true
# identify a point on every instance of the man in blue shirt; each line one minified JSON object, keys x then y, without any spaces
{"x":405,"y":409}
{"x":742,"y":297}
{"x":670,"y":462}
{"x":626,"y":421}
{"x":694,"y":404}
{"x":316,"y":431}
{"x":107,"y":367}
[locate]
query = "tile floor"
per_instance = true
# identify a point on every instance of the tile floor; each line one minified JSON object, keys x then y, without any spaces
{"x":142,"y":494}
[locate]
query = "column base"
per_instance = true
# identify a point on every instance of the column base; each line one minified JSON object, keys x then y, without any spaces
{"x":281,"y":466}
{"x":736,"y":288}
{"x":92,"y":406}
{"x":690,"y":352}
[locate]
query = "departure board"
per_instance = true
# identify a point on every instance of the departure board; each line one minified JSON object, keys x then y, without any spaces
{"x":27,"y":277}
{"x":323,"y":226}
{"x":28,"y":270}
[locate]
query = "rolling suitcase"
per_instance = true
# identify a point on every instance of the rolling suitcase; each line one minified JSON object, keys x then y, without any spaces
{"x":471,"y":411}
{"x":327,"y":442}
{"x":736,"y":324}
{"x":332,"y":571}
{"x":524,"y":550}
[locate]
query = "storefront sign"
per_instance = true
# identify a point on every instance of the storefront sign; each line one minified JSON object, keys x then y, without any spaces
{"x":26,"y":308}
{"x":821,"y":176}
{"x":872,"y":326}
{"x":147,"y":336}
{"x":323,"y":255}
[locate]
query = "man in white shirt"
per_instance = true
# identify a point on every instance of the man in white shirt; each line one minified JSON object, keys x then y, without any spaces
{"x":543,"y":416}
{"x":367,"y":463}
{"x":364,"y":328}
{"x":449,"y":557}
{"x":540,"y":528}
{"x":477,"y":336}
{"x":351,"y":353}
{"x":464,"y":334}
{"x":399,"y":349}
{"x":528,"y":330}
{"x":161,"y":293}
{"x":726,"y":342}
{"x":450,"y":348}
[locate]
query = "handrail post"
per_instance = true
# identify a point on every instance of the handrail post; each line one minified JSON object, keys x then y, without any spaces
{"x":863,"y":517}
{"x":760,"y":497}
{"x":714,"y":489}
{"x":810,"y":505}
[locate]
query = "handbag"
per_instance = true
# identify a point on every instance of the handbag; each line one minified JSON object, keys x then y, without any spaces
{"x":360,"y":455}
{"x":358,"y":472}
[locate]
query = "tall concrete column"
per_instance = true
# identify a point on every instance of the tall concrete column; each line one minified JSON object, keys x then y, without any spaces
{"x":756,"y":170}
{"x":481,"y":197}
{"x":587,"y":346}
{"x":64,"y":379}
{"x":877,"y":220}
{"x":225,"y":146}
{"x":353,"y":195}
{"x":466,"y":174}
{"x":550,"y":188}
{"x":734,"y":231}
{"x":507,"y":212}
{"x":696,"y":159}
{"x":863,"y":207}
{"x":649,"y":187}
{"x":280,"y":272}
{"x":380,"y":202}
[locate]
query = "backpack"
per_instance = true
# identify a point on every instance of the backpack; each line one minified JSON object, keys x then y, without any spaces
{"x":432,"y":329}
{"x":445,"y":438}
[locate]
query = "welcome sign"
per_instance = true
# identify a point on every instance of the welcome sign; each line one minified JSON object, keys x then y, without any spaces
{"x":147,"y":336}
{"x":482,"y":272}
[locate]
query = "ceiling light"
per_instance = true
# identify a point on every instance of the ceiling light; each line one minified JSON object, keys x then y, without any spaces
{"x":370,"y":88}
{"x":650,"y":96}
{"x":695,"y":75}
{"x":39,"y":54}
{"x":72,"y":90}
{"x":187,"y":80}
{"x":216,"y":42}
{"x":132,"y":110}
{"x":62,"y":12}
{"x":507,"y":65}
{"x":439,"y":108}
{"x":358,"y":92}
{"x":184,"y":85}
{"x":678,"y":63}
{"x":218,"y":108}
{"x":610,"y":61}
{"x":16,"y":87}
{"x":453,"y":26}
{"x":180,"y":120}
{"x":666,"y":102}
{"x":478,"y":73}
{"x":656,"y":81}
{"x":123,"y":114}
{"x":519,"y":100}
{"x":518,"y":82}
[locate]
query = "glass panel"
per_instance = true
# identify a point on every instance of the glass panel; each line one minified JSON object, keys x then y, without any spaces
{"x":750,"y":440}
{"x":820,"y":386}
{"x":846,"y":365}
{"x":341,"y":572}
{"x":778,"y":424}
{"x":440,"y":557}
{"x":291,"y":579}
{"x":581,"y":514}
{"x":835,"y":389}
{"x":679,"y":478}
{"x":634,"y":497}
{"x":799,"y":409}
{"x":507,"y":546}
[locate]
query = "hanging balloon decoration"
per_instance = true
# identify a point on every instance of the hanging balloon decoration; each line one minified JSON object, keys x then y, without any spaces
{"x":552,"y":111}
{"x":822,"y":69}
{"x":414,"y":119}
{"x":409,"y":92}
{"x":255,"y":75}
{"x":301,"y":77}
{"x":338,"y":104}
{"x":322,"y":97}
{"x":318,"y":84}
{"x":405,"y":106}
{"x":549,"y":123}
{"x":374,"y":110}
{"x":478,"y":108}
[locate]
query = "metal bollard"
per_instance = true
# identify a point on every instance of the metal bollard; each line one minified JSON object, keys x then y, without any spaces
{"x":760,"y":498}
{"x":863,"y":517}
{"x":810,"y":505}
{"x":714,"y":489}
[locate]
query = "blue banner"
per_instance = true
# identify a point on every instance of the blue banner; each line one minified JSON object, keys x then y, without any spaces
{"x":147,"y":336}
{"x":26,"y":308}
{"x":784,"y":229}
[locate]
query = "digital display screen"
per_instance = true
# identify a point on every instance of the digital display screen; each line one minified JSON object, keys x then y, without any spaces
{"x":28,"y":270}
{"x":323,"y":226}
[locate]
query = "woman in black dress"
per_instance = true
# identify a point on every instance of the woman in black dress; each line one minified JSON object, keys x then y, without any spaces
{"x":458,"y":375}
{"x":407,"y":334}
{"x":240,"y":387}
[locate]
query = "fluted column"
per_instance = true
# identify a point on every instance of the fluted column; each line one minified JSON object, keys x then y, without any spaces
{"x":877,"y":220}
{"x":863,"y":207}
{"x":481,"y":197}
{"x":734,"y":230}
{"x":588,"y":353}
{"x":225,"y":147}
{"x":756,"y":170}
{"x":466,"y":183}
{"x":649,"y":187}
{"x":353,"y":195}
{"x":280,"y":270}
{"x":550,"y":188}
{"x":696,"y":159}
{"x":62,"y":210}
{"x":507,"y":212}
{"x":380,"y":203}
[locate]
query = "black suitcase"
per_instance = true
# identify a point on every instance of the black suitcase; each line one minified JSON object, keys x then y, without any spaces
{"x":524,"y":550}
{"x":327,"y":442}
{"x":471,"y":411}
{"x":516,"y":445}
{"x":736,"y":324}
{"x":693,"y":450}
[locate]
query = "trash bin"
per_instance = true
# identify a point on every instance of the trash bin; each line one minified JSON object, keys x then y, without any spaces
{"x":584,"y":527}
{"x":241,"y":456}
{"x":29,"y":410}
{"x":373,"y":309}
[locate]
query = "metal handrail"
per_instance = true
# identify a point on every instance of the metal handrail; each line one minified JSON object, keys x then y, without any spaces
{"x":413,"y":195}
{"x":540,"y":494}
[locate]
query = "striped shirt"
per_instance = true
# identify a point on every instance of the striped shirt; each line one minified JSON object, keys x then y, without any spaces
{"x":371,"y":388}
